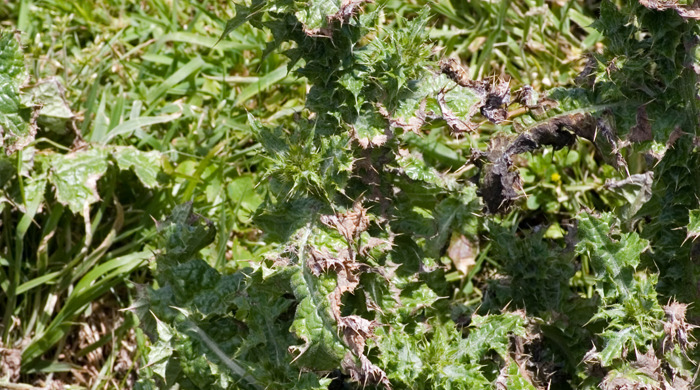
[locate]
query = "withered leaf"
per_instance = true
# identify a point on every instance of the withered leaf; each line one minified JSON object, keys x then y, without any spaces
{"x":499,"y":184}
{"x":496,"y":100}
{"x":349,"y":224}
{"x":367,"y":142}
{"x":414,"y":123}
{"x":374,"y":242}
{"x":494,"y":95}
{"x":321,"y":261}
{"x":500,"y":179}
{"x":461,"y":252}
{"x":691,"y":12}
{"x":642,"y":130}
{"x":676,"y":328}
{"x":648,"y":364}
{"x":527,"y":97}
{"x":10,"y":363}
{"x":455,"y":124}
{"x":356,"y":330}
{"x":365,"y":372}
{"x":676,"y":134}
{"x":587,"y":75}
{"x":454,"y":70}
{"x":347,"y":9}
{"x":347,"y":273}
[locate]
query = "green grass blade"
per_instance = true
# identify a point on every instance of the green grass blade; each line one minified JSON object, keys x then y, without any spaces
{"x":190,"y":68}
{"x":261,"y":84}
{"x":132,"y":125}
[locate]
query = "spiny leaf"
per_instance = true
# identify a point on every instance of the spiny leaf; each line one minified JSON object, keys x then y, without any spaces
{"x":614,"y":260}
{"x":314,"y":323}
{"x":492,"y":332}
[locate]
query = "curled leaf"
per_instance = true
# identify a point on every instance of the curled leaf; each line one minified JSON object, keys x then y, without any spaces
{"x":500,"y":177}
{"x":494,"y":94}
{"x":356,"y":330}
{"x":365,"y":372}
{"x":413,"y":124}
{"x":349,"y":224}
{"x":676,"y":329}
{"x":456,"y":125}
{"x":454,"y":70}
{"x":495,"y":100}
{"x":687,"y":12}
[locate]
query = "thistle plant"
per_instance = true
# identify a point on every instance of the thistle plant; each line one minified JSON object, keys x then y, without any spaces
{"x":367,"y":219}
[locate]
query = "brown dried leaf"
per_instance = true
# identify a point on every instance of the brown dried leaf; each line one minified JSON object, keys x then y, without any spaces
{"x":676,"y":329}
{"x":501,"y":180}
{"x":348,"y":8}
{"x":366,"y":372}
{"x":454,"y":70}
{"x":623,"y":383}
{"x":321,"y":261}
{"x":10,"y":363}
{"x":676,"y":134}
{"x":526,"y":96}
{"x":374,"y":242}
{"x":649,"y":365}
{"x":350,"y":224}
{"x":347,"y":273}
{"x":494,"y":96}
{"x":356,"y":330}
{"x":461,"y":252}
{"x":456,"y":125}
{"x":691,"y":12}
{"x":587,"y":75}
{"x":496,"y":100}
{"x":642,"y":130}
{"x":367,"y":142}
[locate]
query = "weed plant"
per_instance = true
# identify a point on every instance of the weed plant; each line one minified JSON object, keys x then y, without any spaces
{"x":399,"y":195}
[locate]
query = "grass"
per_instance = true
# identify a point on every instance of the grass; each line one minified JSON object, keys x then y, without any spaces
{"x":152,"y":75}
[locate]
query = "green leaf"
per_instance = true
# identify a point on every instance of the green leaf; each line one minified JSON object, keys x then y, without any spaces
{"x":314,"y":13}
{"x":616,"y":342}
{"x":614,"y":260}
{"x":428,"y":356}
{"x":513,"y":378}
{"x":75,"y":176}
{"x":414,"y":299}
{"x":323,"y":348}
{"x":492,"y":332}
{"x":146,"y":165}
{"x":16,"y":131}
{"x":55,"y":112}
{"x":185,"y":234}
{"x":244,"y":14}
